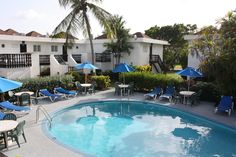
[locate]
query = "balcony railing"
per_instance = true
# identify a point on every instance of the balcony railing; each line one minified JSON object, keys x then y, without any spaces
{"x":102,"y":57}
{"x":155,"y":59}
{"x":60,"y":59}
{"x":44,"y":59}
{"x":77,"y":57}
{"x":15,"y":60}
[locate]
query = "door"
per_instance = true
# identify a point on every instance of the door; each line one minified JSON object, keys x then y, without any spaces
{"x":23,"y":47}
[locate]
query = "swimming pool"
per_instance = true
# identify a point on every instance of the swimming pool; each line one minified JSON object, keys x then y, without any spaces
{"x":139,"y":129}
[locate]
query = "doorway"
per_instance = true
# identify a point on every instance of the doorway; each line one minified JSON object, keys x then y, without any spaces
{"x":23,"y":47}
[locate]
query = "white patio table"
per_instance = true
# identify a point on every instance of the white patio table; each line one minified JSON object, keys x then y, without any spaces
{"x":123,"y":87}
{"x":85,"y":86}
{"x":186,"y":94}
{"x":5,"y":126}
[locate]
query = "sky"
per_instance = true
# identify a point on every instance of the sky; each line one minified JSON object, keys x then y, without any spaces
{"x":44,"y":15}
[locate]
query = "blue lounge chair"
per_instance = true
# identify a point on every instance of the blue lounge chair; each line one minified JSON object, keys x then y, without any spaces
{"x":44,"y":93}
{"x":226,"y":105}
{"x":2,"y":115}
{"x":9,"y":106}
{"x":153,"y":94}
{"x":67,"y":93}
{"x":7,"y":116}
{"x":169,"y":93}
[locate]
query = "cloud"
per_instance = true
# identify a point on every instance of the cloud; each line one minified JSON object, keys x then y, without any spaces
{"x":29,"y":15}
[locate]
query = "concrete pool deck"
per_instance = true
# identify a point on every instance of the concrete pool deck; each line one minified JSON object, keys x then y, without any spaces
{"x":39,"y":144}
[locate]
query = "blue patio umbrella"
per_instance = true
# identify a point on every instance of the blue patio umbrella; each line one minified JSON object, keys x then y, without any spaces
{"x":190,"y":72}
{"x":122,"y":67}
{"x":87,"y":66}
{"x":7,"y":85}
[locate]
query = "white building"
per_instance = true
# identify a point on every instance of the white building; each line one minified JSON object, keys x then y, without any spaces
{"x":194,"y":59}
{"x":23,"y":56}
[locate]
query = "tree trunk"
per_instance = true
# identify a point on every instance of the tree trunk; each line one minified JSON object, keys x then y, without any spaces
{"x":118,"y":58}
{"x":90,"y":35}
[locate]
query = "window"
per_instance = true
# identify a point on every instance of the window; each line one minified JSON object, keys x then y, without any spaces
{"x":37,"y":48}
{"x":54,"y":48}
{"x":103,"y":57}
{"x":77,"y":57}
{"x":44,"y":59}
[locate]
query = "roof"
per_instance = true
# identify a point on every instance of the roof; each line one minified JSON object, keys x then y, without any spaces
{"x":104,"y":36}
{"x":2,"y":32}
{"x":141,"y":35}
{"x":34,"y":34}
{"x":11,"y":32}
{"x":63,"y":36}
{"x":137,"y":34}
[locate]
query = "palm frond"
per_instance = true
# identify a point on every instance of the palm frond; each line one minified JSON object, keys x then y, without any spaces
{"x":64,"y":23}
{"x":97,"y":1}
{"x":101,"y":15}
{"x":84,"y":25}
{"x":70,"y":25}
{"x":65,"y":3}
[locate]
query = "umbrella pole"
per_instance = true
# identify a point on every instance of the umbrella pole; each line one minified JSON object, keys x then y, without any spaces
{"x":85,"y":79}
{"x":124,"y":78}
{"x":188,"y":83}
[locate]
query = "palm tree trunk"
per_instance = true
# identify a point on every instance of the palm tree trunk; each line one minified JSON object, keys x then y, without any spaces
{"x":118,"y":58}
{"x":90,"y":35}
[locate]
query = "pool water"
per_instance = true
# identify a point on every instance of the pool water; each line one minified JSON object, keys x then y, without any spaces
{"x":139,"y":129}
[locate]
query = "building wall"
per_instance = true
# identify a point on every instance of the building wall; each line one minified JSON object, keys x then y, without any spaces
{"x":56,"y":68}
{"x":35,"y":68}
{"x":193,"y":59}
{"x":10,"y":47}
{"x":15,"y":73}
{"x":139,"y":54}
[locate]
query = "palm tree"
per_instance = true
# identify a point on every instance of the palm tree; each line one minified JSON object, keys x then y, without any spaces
{"x":119,"y":38}
{"x":78,"y":19}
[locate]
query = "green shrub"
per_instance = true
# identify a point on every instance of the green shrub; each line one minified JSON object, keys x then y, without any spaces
{"x":76,"y":75}
{"x":143,"y":68}
{"x":49,"y":82}
{"x":102,"y":81}
{"x":145,"y":81}
{"x":209,"y":91}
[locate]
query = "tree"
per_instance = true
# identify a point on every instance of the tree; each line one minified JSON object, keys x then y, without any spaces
{"x":219,"y":53}
{"x":177,"y":52}
{"x":119,"y":42}
{"x":78,"y":18}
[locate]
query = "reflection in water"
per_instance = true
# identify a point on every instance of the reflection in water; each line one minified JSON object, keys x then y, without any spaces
{"x":186,"y":133}
{"x":116,"y":129}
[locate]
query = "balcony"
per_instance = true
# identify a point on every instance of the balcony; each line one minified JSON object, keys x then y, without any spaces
{"x":15,"y":60}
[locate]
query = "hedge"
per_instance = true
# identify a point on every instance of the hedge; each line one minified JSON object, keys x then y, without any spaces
{"x":210,"y":92}
{"x":76,"y":75}
{"x":49,"y":82}
{"x":103,"y":82}
{"x":145,"y":81}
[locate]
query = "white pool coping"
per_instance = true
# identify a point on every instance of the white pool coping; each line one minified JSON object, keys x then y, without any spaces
{"x":39,"y":144}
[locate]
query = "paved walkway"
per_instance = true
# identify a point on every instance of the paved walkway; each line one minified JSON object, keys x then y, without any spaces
{"x":38,"y":144}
